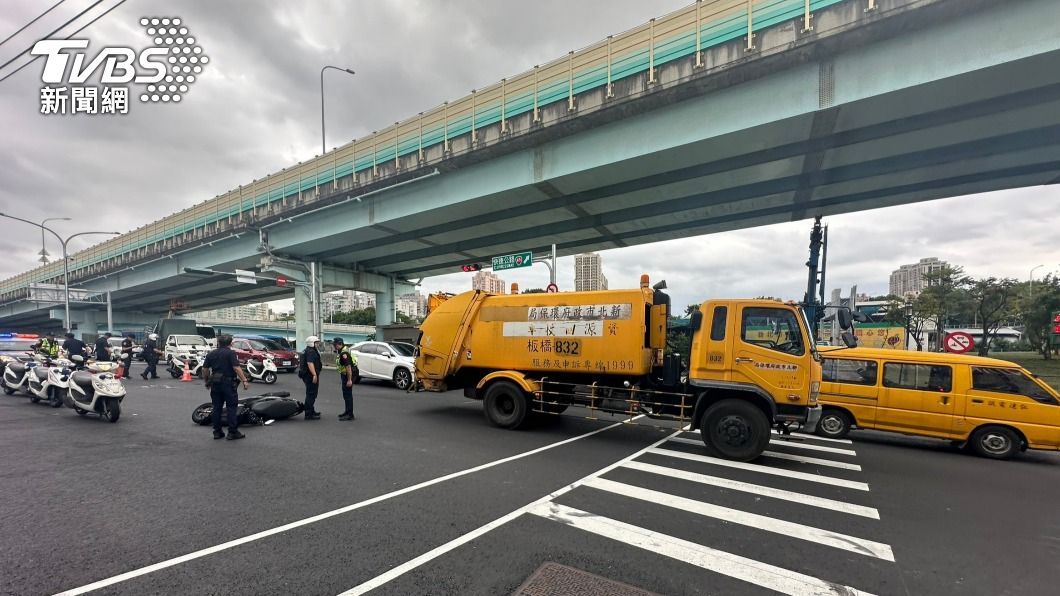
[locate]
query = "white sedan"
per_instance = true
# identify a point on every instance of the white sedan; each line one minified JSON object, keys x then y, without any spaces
{"x":387,"y":361}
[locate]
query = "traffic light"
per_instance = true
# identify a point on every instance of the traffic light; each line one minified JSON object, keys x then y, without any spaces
{"x":470,"y":268}
{"x":1056,"y":326}
{"x":281,"y":281}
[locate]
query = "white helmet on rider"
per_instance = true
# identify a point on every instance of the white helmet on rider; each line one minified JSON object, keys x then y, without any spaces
{"x":312,"y":340}
{"x":153,"y":336}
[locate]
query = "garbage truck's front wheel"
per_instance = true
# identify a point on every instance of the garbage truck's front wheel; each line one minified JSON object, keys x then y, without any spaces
{"x":735,"y":429}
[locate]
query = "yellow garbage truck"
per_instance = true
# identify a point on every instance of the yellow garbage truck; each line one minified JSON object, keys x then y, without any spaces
{"x":753,"y":363}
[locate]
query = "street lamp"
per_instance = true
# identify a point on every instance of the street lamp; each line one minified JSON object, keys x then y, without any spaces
{"x":66,"y":258}
{"x":43,"y":250}
{"x":1030,"y":279}
{"x":323,"y":144}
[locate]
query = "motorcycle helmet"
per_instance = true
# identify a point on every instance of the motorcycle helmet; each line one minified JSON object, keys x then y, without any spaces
{"x":153,"y":337}
{"x":311,"y":340}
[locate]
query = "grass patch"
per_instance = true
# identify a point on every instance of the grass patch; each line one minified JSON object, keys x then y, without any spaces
{"x":1048,"y":370}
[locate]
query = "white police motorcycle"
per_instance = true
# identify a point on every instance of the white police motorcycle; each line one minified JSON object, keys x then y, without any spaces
{"x":262,"y":370}
{"x":96,"y":390}
{"x":49,"y":382}
{"x":17,"y":376}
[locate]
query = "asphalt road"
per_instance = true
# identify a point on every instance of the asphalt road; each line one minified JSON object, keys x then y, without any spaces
{"x":420,"y":495}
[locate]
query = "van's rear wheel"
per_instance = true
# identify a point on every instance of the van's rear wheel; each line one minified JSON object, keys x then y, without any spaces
{"x":506,"y":404}
{"x":834,"y":424}
{"x":995,"y":442}
{"x":735,"y":429}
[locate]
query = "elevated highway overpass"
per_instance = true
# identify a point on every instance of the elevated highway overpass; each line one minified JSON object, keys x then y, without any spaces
{"x":712,"y":118}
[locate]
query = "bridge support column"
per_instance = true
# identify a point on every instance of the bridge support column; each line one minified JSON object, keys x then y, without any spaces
{"x":385,"y":305}
{"x":306,"y":296}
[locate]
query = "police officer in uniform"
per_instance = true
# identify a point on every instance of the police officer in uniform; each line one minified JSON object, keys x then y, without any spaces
{"x":151,"y":353}
{"x":103,"y":347}
{"x":313,"y":367}
{"x":73,"y":346}
{"x":346,"y":365}
{"x":48,"y":346}
{"x":127,"y":354}
{"x":221,"y":368}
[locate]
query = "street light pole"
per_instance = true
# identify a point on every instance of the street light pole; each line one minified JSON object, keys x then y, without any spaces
{"x":1030,"y":279}
{"x":323,"y":143}
{"x":66,"y":259}
{"x":43,"y":250}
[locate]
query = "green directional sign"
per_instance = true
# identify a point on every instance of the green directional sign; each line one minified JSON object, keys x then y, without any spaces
{"x":519,"y":259}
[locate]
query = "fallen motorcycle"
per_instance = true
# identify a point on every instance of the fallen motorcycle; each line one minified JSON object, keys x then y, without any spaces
{"x":258,"y":410}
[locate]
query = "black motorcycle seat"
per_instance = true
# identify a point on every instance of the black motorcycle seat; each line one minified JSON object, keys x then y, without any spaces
{"x":19,"y":368}
{"x":82,"y":379}
{"x":40,"y":372}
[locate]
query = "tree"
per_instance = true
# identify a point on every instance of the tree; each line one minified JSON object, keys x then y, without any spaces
{"x":944,"y":299}
{"x":404,"y":319}
{"x":1036,"y":305}
{"x":691,"y":308}
{"x":909,"y":315}
{"x":534,"y":291}
{"x":992,"y":300}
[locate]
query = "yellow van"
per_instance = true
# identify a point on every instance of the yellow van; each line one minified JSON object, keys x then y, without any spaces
{"x":992,"y":406}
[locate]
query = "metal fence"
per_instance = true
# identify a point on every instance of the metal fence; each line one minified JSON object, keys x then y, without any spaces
{"x":679,"y":35}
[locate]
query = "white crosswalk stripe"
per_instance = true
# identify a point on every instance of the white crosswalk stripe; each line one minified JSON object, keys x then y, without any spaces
{"x":749,"y":570}
{"x":788,"y":456}
{"x":816,"y":438}
{"x":818,"y":478}
{"x":756,"y":489}
{"x":762,"y":522}
{"x":811,"y":447}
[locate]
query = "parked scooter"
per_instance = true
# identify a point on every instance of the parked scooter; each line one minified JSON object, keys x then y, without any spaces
{"x":49,"y":382}
{"x":177,"y":364}
{"x":17,"y":375}
{"x":96,"y":390}
{"x":262,"y":370}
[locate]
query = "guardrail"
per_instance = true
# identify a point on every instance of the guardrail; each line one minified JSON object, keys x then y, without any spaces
{"x":409,"y":143}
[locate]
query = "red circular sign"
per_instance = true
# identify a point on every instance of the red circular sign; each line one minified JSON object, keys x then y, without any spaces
{"x":958,"y":342}
{"x":552,"y":288}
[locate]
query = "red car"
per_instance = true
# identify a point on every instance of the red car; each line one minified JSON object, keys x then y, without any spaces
{"x":253,"y":348}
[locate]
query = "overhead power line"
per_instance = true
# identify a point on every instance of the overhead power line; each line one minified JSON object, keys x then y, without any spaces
{"x":9,"y":37}
{"x":101,"y":15}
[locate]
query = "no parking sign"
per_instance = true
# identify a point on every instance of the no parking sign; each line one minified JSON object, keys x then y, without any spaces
{"x":958,"y":342}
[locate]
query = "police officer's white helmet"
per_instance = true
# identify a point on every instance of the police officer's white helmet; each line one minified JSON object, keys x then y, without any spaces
{"x":153,"y":336}
{"x":312,"y":339}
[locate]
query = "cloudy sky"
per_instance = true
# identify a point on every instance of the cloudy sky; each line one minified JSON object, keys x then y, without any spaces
{"x":255,"y":110}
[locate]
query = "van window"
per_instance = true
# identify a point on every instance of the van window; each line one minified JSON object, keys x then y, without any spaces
{"x":717,"y":325}
{"x":924,"y":377}
{"x":1009,"y":380}
{"x":773,"y":328}
{"x":854,"y":372}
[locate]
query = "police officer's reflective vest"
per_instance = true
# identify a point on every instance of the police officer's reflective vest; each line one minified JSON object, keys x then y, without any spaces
{"x":353,"y":357}
{"x":49,"y":348}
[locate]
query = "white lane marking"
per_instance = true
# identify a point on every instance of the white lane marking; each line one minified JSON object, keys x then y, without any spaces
{"x":757,"y":489}
{"x":407,"y":566}
{"x":762,"y":469}
{"x":309,"y":520}
{"x":842,"y":465}
{"x":816,"y":438}
{"x":808,"y":447}
{"x":755,"y":572}
{"x":752,"y":520}
{"x":792,"y":457}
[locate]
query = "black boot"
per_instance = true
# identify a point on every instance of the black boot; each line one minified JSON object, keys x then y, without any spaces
{"x":346,"y":416}
{"x":218,"y":434}
{"x":235,"y":434}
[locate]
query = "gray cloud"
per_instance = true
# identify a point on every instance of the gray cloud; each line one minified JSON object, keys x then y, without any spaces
{"x":255,"y":110}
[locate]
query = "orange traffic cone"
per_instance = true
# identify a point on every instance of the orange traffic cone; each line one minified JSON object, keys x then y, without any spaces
{"x":187,"y":373}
